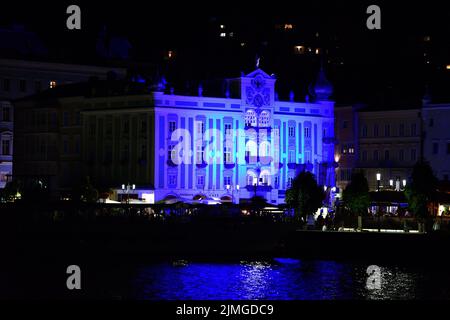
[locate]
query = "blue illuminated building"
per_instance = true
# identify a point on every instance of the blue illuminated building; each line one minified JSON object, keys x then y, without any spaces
{"x":275,"y":140}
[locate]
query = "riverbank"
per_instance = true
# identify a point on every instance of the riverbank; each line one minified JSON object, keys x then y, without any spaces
{"x":216,"y":239}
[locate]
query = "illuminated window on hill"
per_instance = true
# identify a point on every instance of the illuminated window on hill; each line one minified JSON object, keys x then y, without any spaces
{"x":52,"y":84}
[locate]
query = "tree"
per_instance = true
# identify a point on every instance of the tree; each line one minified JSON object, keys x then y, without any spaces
{"x":421,"y":189}
{"x":304,"y":196}
{"x":88,"y":192}
{"x":356,"y":194}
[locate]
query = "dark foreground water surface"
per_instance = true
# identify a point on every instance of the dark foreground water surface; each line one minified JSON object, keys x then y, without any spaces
{"x":279,"y":278}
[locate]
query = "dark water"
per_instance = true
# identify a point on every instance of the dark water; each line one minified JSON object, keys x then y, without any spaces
{"x":280,"y":278}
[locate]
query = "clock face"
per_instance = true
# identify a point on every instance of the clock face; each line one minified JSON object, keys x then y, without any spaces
{"x":258,"y":83}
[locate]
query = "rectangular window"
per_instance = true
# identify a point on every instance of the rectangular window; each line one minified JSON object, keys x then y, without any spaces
{"x":307,"y":132}
{"x":364,"y":131}
{"x":227,"y":155}
{"x":402,"y":130}
{"x":307,"y":156}
{"x":375,"y":131}
{"x":126,"y":127}
{"x":344,"y":124}
{"x":291,"y":156}
{"x":172,"y":126}
{"x":6,"y":85}
{"x":22,"y":85}
{"x":291,"y":132}
{"x":431,"y":122}
{"x":65,"y":146}
{"x":65,"y":119}
{"x":144,"y":126}
{"x":228,"y":129}
{"x":351,"y":150}
{"x":413,"y":129}
{"x":386,"y":155}
{"x":171,"y":153}
{"x":375,"y":155}
{"x":52,"y":84}
{"x":227,"y":181}
{"x":199,"y":155}
{"x":200,"y":128}
{"x":435,"y":147}
{"x":200,"y":180}
{"x":6,"y":114}
{"x":6,"y":148}
{"x":401,"y":155}
{"x":413,"y":155}
{"x":77,"y":118}
{"x":77,"y":145}
{"x":364,"y":156}
{"x":172,"y":180}
{"x":387,"y":130}
{"x":289,"y":182}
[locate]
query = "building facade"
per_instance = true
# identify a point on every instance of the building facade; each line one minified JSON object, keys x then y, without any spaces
{"x":384,"y":144}
{"x":22,"y":78}
{"x":436,"y":119}
{"x":188,"y":147}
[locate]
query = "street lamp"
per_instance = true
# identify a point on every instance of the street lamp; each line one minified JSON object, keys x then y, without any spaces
{"x":378,"y":181}
{"x":126,"y":189}
{"x":404,"y":183}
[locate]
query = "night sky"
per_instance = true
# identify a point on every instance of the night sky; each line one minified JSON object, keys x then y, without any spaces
{"x":385,"y":67}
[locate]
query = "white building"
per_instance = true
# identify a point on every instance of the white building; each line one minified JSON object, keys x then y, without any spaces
{"x":269,"y":142}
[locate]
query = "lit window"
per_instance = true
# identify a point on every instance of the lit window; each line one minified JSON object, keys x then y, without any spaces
{"x":52,"y":84}
{"x":299,"y":49}
{"x":288,"y":26}
{"x":227,"y":155}
{"x":264,"y":119}
{"x":199,"y":155}
{"x":318,"y":51}
{"x":222,"y":26}
{"x":250,"y":118}
{"x":447,"y":67}
{"x":228,"y":131}
{"x":223,"y":35}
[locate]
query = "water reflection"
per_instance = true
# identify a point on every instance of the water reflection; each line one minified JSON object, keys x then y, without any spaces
{"x":284,"y":279}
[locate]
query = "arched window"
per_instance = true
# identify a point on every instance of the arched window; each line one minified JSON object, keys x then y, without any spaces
{"x":264,"y":178}
{"x":252,"y":178}
{"x":264,"y":118}
{"x":250,"y":118}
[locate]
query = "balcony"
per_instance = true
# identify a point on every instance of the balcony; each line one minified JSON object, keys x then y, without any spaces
{"x":251,"y":159}
{"x":201,"y":165}
{"x":259,"y":188}
{"x":265,"y":160}
{"x":293,"y":165}
{"x":229,"y":165}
